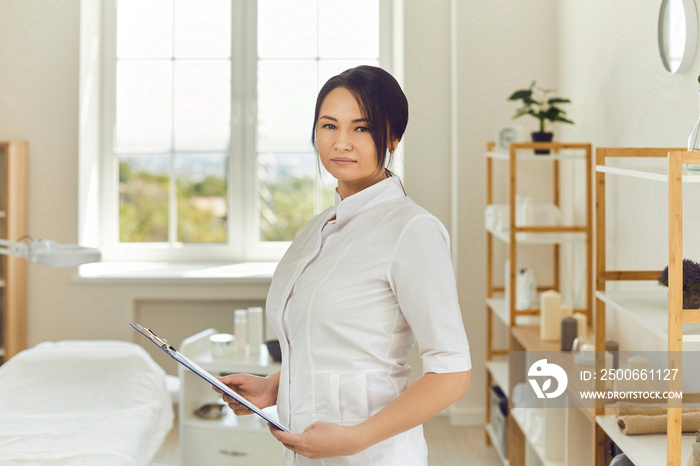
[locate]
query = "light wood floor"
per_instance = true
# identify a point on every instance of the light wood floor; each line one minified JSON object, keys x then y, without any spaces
{"x":447,"y":446}
{"x":457,"y":446}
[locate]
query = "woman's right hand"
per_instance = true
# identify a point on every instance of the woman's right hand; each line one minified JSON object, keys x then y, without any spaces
{"x":261,"y":391}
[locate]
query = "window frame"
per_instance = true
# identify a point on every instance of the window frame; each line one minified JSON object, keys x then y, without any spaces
{"x":242,"y":181}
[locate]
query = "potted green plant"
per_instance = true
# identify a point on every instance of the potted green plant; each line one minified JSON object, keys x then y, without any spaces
{"x":691,"y":283}
{"x":539,"y":103}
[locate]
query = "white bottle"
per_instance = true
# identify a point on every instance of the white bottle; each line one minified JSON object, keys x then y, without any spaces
{"x":255,"y":329}
{"x":240,"y":329}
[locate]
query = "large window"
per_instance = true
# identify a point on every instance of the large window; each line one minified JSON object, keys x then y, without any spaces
{"x":207,"y":120}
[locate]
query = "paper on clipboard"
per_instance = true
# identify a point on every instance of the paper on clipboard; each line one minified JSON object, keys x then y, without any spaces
{"x":191,"y":365}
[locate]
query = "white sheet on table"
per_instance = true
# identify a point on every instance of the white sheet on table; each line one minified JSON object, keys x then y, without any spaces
{"x":82,"y":403}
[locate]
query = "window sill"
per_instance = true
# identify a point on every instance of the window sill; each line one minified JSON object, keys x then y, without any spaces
{"x":166,"y":273}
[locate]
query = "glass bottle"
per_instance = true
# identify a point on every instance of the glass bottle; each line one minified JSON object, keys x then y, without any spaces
{"x":694,"y":141}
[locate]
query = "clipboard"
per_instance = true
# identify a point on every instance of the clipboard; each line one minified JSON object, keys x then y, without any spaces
{"x":188,"y":363}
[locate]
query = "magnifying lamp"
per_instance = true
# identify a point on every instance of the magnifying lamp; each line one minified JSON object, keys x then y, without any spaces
{"x":50,"y":253}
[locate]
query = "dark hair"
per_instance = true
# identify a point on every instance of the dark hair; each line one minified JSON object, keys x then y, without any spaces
{"x":381,"y":101}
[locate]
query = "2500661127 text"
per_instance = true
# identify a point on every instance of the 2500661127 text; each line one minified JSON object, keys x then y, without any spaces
{"x":631,"y":374}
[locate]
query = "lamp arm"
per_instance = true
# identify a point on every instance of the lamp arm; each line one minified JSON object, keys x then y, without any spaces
{"x":14,"y":248}
{"x":48,"y":252}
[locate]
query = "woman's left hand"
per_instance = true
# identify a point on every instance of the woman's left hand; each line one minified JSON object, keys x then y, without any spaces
{"x":425,"y":398}
{"x":321,"y":440}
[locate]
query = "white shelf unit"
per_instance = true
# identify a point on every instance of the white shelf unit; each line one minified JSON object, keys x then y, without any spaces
{"x":516,"y":235}
{"x":498,"y":368}
{"x":526,"y":152}
{"x":564,"y":439}
{"x":642,"y":450}
{"x":499,"y":452}
{"x":649,"y":172}
{"x":649,"y":309}
{"x":497,"y":372}
{"x":539,"y":238}
{"x":498,"y":310}
{"x":230,"y":440}
{"x":501,"y":310}
{"x":548,"y":448}
{"x":661,"y":313}
{"x":549,"y":436}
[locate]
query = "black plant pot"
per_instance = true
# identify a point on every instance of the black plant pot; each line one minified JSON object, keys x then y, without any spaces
{"x":540,"y":136}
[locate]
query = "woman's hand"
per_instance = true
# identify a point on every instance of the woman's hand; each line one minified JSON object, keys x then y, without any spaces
{"x":425,"y":398}
{"x":322,"y":440}
{"x":261,"y":391}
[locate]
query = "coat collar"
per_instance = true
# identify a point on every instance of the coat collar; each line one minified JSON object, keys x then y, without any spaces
{"x":390,"y":188}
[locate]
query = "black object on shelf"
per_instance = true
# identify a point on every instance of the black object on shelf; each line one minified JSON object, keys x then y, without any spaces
{"x":613,"y":347}
{"x":499,"y":418}
{"x":569,"y":329}
{"x":273,"y":347}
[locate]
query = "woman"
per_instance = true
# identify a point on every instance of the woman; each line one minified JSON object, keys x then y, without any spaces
{"x":362,"y":281}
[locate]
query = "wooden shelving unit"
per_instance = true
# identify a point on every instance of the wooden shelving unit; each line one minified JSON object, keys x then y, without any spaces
{"x":659,"y":313}
{"x":13,"y":225}
{"x":568,"y":433}
{"x":521,"y":324}
{"x":581,"y":435}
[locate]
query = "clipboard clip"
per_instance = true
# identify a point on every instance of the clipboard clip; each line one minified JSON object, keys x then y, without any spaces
{"x":162,"y":342}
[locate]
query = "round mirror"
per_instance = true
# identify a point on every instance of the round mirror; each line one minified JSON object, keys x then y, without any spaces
{"x":678,"y":34}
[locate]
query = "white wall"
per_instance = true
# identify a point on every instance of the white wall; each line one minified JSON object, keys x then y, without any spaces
{"x":609,"y":64}
{"x":497,"y":53}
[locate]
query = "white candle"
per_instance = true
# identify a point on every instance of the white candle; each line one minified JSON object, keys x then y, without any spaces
{"x":240,"y":329}
{"x":581,"y":324}
{"x":255,"y":329}
{"x":566,"y":310}
{"x":550,"y":316}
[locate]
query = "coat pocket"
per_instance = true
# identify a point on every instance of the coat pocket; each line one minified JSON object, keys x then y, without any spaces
{"x":342,"y":397}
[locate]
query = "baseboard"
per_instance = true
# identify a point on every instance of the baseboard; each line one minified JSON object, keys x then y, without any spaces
{"x":466,"y":417}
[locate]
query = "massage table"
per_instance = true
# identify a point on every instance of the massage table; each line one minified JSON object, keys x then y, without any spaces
{"x":83,"y":403}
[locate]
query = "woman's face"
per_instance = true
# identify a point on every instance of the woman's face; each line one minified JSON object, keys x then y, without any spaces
{"x":345,"y":144}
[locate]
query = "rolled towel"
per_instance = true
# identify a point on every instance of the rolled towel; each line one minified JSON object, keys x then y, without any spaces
{"x":643,"y":418}
{"x":641,"y":409}
{"x":637,"y":425}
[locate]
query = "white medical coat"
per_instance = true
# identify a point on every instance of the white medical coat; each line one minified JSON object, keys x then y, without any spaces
{"x":359,"y":284}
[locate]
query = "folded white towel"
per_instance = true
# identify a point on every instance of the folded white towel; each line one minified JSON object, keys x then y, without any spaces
{"x":527,"y":213}
{"x":496,"y":217}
